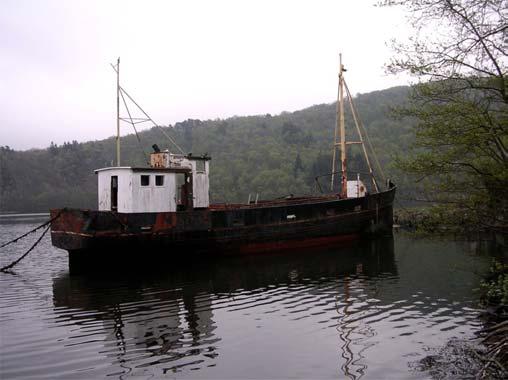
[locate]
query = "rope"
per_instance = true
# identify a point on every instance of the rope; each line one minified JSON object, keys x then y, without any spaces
{"x":29,"y":232}
{"x":7,"y":267}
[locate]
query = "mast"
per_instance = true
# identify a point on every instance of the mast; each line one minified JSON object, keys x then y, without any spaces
{"x":343,"y":191}
{"x":118,"y":112}
{"x":341,"y":132}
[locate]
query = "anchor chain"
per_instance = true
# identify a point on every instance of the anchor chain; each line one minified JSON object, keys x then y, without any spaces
{"x":7,"y":267}
{"x":48,"y":224}
{"x":35,"y":229}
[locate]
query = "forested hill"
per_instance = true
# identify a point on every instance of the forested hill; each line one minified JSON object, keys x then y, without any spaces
{"x":270,"y":155}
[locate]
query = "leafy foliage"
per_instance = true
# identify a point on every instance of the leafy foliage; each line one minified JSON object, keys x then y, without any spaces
{"x":495,"y":287}
{"x":460,"y":106}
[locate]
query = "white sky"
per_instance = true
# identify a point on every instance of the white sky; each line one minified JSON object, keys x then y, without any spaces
{"x":180,"y":60}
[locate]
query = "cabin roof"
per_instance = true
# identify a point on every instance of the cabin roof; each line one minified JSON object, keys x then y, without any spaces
{"x":145,"y":169}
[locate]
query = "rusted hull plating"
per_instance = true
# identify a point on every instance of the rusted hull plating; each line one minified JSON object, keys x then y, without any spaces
{"x":282,"y":225}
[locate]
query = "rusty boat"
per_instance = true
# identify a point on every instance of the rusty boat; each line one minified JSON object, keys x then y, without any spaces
{"x":163,"y":209}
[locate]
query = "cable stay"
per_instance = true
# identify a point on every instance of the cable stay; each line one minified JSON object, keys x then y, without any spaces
{"x":133,"y":121}
{"x":145,"y":155}
{"x":149,"y":119}
{"x":361,"y":127}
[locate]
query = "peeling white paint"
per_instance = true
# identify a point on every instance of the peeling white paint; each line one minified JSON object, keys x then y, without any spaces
{"x":200,"y":186}
{"x":356,"y":189}
{"x":134,"y":197}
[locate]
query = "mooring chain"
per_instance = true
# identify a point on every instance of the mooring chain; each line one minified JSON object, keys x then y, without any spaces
{"x":48,"y":224}
{"x":31,"y":231}
{"x":7,"y":267}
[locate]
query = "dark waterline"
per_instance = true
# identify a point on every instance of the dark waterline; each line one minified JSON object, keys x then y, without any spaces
{"x":369,"y":310}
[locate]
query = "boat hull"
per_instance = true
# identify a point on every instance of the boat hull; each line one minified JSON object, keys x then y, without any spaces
{"x":241,"y":229}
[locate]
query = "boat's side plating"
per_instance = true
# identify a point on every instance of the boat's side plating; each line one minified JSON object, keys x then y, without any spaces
{"x":239,"y":229}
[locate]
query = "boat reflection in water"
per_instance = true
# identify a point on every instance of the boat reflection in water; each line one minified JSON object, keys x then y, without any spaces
{"x":199,"y":315}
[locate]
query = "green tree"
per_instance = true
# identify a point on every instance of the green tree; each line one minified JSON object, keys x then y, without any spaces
{"x":458,"y":54}
{"x":298,"y":166}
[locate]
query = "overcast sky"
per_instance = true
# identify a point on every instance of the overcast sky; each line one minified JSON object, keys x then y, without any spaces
{"x":180,"y":60}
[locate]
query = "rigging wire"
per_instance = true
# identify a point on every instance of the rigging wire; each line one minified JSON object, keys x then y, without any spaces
{"x":357,"y":121}
{"x":366,"y":135}
{"x":141,"y":120}
{"x":151,"y":120}
{"x":145,"y":155}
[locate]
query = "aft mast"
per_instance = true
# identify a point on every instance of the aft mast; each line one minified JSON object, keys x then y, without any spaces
{"x":118,"y":112}
{"x":341,"y":132}
{"x":343,"y":190}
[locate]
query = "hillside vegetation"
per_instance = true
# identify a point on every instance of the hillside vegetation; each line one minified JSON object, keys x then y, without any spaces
{"x":270,"y":155}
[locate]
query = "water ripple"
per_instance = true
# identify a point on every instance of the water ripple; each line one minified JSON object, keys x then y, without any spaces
{"x":354,"y":312}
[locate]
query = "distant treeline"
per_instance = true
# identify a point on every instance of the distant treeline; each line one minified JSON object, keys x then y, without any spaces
{"x":270,"y":155}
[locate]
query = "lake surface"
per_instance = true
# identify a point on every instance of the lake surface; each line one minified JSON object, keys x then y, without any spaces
{"x":369,"y":310}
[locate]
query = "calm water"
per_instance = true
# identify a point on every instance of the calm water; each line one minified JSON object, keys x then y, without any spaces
{"x":368,"y":310}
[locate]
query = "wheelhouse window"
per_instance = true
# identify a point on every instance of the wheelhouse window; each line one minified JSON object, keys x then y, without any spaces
{"x":159,"y":180}
{"x":145,"y":180}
